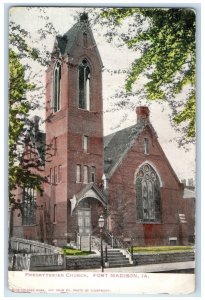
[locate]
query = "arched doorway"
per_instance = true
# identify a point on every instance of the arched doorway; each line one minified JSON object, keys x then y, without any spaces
{"x":84,"y":218}
{"x":88,"y":212}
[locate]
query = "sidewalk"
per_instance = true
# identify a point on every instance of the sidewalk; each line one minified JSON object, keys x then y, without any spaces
{"x":165,"y":267}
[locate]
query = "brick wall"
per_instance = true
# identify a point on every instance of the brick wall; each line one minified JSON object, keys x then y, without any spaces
{"x":122,"y":197}
{"x":68,"y":126}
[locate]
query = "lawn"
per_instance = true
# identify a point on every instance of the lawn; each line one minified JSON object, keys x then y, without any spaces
{"x":158,"y":249}
{"x":71,"y":251}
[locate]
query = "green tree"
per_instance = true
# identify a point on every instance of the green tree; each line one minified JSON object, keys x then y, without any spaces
{"x":166,"y":41}
{"x":19,"y":107}
{"x":24,"y":171}
{"x":21,"y":56}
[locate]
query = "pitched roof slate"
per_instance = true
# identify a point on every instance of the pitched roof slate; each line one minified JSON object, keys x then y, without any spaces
{"x":66,"y":41}
{"x":116,"y":144}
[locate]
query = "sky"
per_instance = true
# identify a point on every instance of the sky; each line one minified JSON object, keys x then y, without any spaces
{"x":113,"y":57}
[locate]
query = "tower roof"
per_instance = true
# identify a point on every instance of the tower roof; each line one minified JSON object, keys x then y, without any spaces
{"x":66,"y":42}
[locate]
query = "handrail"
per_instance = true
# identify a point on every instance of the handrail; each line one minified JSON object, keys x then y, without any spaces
{"x":110,"y":237}
{"x":95,"y":242}
{"x":113,"y":241}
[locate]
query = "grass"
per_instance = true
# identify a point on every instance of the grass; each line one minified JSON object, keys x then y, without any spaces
{"x":159,"y":249}
{"x":71,"y":251}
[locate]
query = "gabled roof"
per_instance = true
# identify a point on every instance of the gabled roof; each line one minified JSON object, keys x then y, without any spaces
{"x":118,"y":143}
{"x":66,"y":41}
{"x":84,"y":193}
{"x":115,"y":144}
{"x":90,"y":190}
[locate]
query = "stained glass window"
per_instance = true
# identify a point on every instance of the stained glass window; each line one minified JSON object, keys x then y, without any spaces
{"x":148,"y":194}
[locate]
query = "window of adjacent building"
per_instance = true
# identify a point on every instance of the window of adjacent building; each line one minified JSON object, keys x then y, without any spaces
{"x":93,"y":174}
{"x":85,"y":143}
{"x":78,"y":173}
{"x":56,"y":87}
{"x":147,"y":194}
{"x":59,"y":173}
{"x":84,"y":85}
{"x":85,"y":174}
{"x":146,"y":146}
{"x":29,"y":206}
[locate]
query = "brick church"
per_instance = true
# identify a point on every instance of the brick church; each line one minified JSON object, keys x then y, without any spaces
{"x":125,"y":176}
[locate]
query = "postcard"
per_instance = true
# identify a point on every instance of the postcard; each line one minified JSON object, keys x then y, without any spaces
{"x":102,"y":117}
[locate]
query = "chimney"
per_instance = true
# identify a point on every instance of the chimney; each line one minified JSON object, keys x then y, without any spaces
{"x":183,"y":181}
{"x":142,"y":114}
{"x":190,"y":182}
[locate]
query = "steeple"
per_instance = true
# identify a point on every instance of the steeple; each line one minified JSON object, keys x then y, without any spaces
{"x":84,"y":17}
{"x":79,"y":35}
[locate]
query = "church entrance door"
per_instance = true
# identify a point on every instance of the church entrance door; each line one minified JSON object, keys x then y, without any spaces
{"x":84,"y":221}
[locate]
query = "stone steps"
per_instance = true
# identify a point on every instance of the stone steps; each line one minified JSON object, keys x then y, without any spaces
{"x":115,"y":259}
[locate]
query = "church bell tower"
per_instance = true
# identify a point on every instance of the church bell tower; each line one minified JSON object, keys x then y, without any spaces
{"x":74,"y":121}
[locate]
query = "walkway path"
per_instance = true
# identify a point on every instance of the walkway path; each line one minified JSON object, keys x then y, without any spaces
{"x":166,"y":267}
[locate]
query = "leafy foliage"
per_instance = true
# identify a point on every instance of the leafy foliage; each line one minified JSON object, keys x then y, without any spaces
{"x":20,"y":173}
{"x":18,"y":113}
{"x":168,"y":57}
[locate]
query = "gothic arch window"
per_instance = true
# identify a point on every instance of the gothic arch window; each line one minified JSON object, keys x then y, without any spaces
{"x":148,"y":195}
{"x":56,"y":87}
{"x":84,"y":85}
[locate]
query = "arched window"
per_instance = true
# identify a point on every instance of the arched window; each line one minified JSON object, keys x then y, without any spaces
{"x":56,"y":87}
{"x":84,"y":85}
{"x":148,"y":194}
